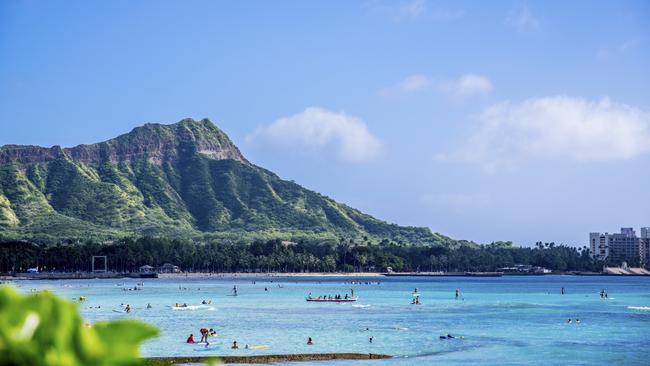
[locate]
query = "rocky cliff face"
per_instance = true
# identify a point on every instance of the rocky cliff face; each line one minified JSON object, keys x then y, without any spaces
{"x":154,"y":142}
{"x":183,"y":179}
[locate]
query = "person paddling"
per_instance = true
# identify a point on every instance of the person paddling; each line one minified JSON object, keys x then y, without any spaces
{"x":204,"y":334}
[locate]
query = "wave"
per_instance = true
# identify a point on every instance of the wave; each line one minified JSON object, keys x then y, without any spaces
{"x":641,"y":308}
{"x":361,"y":306}
{"x":193,"y":307}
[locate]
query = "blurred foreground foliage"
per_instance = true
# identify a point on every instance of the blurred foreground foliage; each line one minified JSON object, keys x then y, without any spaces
{"x":43,"y":330}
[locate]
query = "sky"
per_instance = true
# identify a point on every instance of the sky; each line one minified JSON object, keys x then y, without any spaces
{"x":503,"y":120}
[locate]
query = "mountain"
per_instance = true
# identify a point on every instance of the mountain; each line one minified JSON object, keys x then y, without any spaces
{"x":186,"y":179}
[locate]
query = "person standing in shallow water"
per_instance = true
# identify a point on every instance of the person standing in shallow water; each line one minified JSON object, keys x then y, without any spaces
{"x":562,"y":290}
{"x":457,"y":293}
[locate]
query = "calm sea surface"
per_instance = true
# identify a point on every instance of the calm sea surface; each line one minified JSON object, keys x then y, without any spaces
{"x":505,"y":321}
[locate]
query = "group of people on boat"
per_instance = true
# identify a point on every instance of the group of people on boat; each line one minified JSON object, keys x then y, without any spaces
{"x":181,"y":288}
{"x":330,"y":297}
{"x":363,"y":282}
{"x":134,"y":288}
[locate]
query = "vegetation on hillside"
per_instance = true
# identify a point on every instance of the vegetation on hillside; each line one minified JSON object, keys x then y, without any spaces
{"x":185,"y":180}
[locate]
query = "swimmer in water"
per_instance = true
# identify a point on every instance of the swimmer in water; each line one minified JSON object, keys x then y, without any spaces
{"x":234,"y":345}
{"x":190,"y":339}
{"x":568,"y":321}
{"x":149,"y":306}
{"x":309,"y":341}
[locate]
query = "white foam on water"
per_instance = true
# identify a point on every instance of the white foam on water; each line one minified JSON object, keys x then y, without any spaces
{"x":193,"y":307}
{"x":641,"y":308}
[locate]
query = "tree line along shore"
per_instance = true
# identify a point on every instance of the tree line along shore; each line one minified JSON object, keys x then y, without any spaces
{"x":130,"y":254}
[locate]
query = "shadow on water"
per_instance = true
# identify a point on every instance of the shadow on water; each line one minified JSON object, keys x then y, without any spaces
{"x":463,"y":345}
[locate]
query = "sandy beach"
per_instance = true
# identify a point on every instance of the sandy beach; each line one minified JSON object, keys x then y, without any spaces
{"x":270,"y":275}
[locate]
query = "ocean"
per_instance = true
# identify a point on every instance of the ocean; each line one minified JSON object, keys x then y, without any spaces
{"x":509,"y":320}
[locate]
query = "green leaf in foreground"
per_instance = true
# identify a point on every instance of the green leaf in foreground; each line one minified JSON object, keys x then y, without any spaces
{"x":43,"y":330}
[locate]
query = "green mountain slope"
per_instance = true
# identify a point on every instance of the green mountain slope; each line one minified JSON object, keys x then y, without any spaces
{"x":182,"y":180}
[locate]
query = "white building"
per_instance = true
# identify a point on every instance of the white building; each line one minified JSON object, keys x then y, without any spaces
{"x":619,"y":247}
{"x":645,"y":233}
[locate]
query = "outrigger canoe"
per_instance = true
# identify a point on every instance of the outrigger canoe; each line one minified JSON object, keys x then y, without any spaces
{"x":315,"y":299}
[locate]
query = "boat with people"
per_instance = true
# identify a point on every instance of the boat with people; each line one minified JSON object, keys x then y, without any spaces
{"x":335,"y":298}
{"x":349,"y":299}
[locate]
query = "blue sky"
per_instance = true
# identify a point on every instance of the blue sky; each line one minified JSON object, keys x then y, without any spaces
{"x":501,"y":120}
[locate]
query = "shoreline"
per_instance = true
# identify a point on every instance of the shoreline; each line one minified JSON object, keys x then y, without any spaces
{"x":264,"y":359}
{"x":269,"y":275}
{"x":235,"y":275}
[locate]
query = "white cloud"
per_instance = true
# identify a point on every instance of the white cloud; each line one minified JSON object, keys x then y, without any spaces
{"x":466,"y":85}
{"x":405,"y":11}
{"x":624,"y":47}
{"x":318,"y":127}
{"x":399,"y":11}
{"x":556,"y":127}
{"x":411,"y":10}
{"x":410,"y":84}
{"x":522,"y":19}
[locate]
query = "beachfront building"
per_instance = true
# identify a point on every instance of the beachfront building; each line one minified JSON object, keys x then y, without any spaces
{"x":645,"y":233}
{"x":616,"y":247}
{"x":645,"y":243}
{"x":146,"y":269}
{"x":525,"y":268}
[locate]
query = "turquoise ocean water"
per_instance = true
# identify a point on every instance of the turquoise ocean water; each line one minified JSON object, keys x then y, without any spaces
{"x":510,"y":320}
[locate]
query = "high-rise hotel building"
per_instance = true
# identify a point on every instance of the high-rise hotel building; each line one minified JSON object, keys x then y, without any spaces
{"x":621,"y":247}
